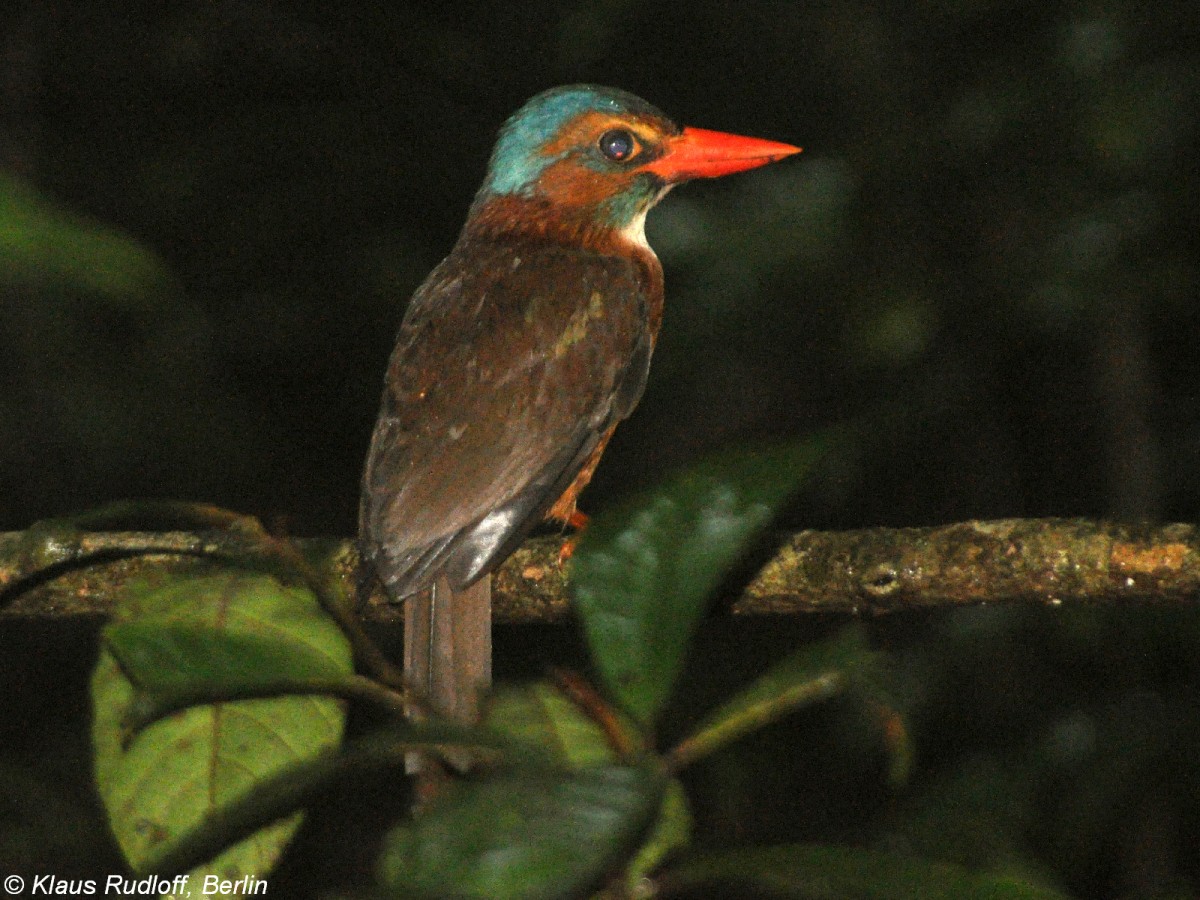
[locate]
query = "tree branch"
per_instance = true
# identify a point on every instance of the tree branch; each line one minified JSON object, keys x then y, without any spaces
{"x":869,"y":571}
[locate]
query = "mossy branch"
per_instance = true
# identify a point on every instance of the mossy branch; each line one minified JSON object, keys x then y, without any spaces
{"x":865,"y":572}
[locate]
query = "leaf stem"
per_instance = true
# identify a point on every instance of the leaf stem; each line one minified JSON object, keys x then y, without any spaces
{"x":150,"y":708}
{"x":580,"y":691}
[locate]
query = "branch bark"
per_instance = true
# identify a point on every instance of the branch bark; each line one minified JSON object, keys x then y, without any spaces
{"x":865,"y":572}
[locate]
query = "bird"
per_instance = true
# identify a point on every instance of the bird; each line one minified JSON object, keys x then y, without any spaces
{"x":517,"y":358}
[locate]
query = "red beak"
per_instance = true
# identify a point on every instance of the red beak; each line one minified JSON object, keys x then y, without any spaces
{"x":698,"y":153}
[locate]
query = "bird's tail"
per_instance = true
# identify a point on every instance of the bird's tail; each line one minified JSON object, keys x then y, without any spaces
{"x":448,"y":649}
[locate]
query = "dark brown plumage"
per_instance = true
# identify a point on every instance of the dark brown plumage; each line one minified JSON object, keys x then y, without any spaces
{"x":514,"y":362}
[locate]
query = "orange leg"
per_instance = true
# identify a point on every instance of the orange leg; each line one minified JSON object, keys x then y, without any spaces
{"x":579,"y":522}
{"x":564,"y":508}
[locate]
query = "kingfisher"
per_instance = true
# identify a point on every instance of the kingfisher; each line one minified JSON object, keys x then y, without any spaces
{"x":517,"y":358}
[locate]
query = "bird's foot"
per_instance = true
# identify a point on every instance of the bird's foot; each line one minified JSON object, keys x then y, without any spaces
{"x":579,"y":522}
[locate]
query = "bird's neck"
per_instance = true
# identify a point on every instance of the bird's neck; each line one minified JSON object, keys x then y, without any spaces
{"x":527,"y":221}
{"x":533,"y":219}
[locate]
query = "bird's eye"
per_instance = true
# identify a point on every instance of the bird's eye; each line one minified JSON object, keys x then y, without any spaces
{"x":617,"y":144}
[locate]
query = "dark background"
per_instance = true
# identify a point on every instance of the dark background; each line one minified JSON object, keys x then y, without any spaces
{"x":215,"y":213}
{"x":212,"y":214}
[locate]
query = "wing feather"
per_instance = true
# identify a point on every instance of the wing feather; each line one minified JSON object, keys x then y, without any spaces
{"x":510,"y":365}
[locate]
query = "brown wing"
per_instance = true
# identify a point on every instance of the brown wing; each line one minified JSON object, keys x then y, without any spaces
{"x":510,"y":366}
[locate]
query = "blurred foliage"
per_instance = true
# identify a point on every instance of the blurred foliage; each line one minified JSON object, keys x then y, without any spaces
{"x":211,"y":215}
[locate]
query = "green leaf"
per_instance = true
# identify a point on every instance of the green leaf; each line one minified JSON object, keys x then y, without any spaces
{"x":297,"y":785}
{"x":171,"y":658}
{"x":645,"y":572}
{"x":807,"y":676}
{"x":180,"y":769}
{"x":837,"y":873}
{"x":527,"y":833}
{"x":540,"y":715}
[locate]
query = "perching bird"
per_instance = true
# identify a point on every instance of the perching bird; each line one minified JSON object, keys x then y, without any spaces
{"x":518,"y":357}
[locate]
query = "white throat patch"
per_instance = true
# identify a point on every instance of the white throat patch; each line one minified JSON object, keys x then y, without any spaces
{"x":635,"y":231}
